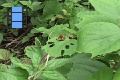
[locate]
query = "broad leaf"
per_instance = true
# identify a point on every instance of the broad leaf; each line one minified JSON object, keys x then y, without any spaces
{"x":65,"y":68}
{"x":96,"y":18}
{"x":34,"y":53}
{"x":14,"y":74}
{"x":56,"y":48}
{"x":102,"y":74}
{"x":51,"y":8}
{"x":55,"y":63}
{"x":83,"y":67}
{"x":107,"y":7}
{"x":53,"y":75}
{"x":18,"y":63}
{"x":99,"y":38}
{"x":117,"y":75}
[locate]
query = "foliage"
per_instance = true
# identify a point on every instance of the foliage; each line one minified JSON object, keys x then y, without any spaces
{"x":74,"y":40}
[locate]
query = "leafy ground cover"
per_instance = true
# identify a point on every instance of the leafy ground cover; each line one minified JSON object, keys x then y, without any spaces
{"x":64,"y":40}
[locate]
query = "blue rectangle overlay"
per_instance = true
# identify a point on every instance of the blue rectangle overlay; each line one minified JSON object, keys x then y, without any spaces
{"x":16,"y":24}
{"x":16,"y":16}
{"x":16,"y":9}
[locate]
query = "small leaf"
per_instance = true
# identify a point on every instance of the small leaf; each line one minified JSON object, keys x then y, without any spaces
{"x":27,"y":3}
{"x":4,"y":54}
{"x":3,"y":67}
{"x":37,"y":42}
{"x":35,"y":53}
{"x":18,"y":63}
{"x":36,"y":6}
{"x":1,"y":38}
{"x":7,"y":5}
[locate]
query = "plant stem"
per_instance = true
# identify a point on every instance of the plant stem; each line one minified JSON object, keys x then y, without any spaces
{"x":32,"y":76}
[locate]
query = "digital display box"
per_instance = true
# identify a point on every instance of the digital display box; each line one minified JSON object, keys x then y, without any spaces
{"x":16,"y":17}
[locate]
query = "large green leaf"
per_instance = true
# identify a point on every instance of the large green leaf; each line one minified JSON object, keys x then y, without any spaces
{"x":96,"y":18}
{"x":55,"y":63}
{"x":34,"y":53}
{"x":107,"y":7}
{"x":83,"y":67}
{"x":99,"y":38}
{"x":53,"y":75}
{"x":117,"y":75}
{"x":102,"y":74}
{"x":67,"y":47}
{"x":14,"y":74}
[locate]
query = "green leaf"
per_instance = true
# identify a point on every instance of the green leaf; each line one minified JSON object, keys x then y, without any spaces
{"x":65,"y":68}
{"x":27,"y":3}
{"x":7,"y":5}
{"x":1,"y":38}
{"x":51,"y":8}
{"x":4,"y":54}
{"x":53,"y":75}
{"x":68,"y":47}
{"x":55,"y":31}
{"x":83,"y":67}
{"x":55,"y":63}
{"x":36,"y":6}
{"x":99,"y":38}
{"x":14,"y":74}
{"x":117,"y":75}
{"x":37,"y":42}
{"x":109,"y":57}
{"x":27,"y":37}
{"x":102,"y":74}
{"x":3,"y":67}
{"x":34,"y":52}
{"x":18,"y":63}
{"x":74,"y":1}
{"x":95,"y":18}
{"x":106,"y":7}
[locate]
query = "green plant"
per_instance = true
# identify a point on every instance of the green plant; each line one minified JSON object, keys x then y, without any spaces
{"x":74,"y":40}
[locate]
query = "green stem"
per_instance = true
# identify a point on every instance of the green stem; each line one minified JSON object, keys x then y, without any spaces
{"x":32,"y":76}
